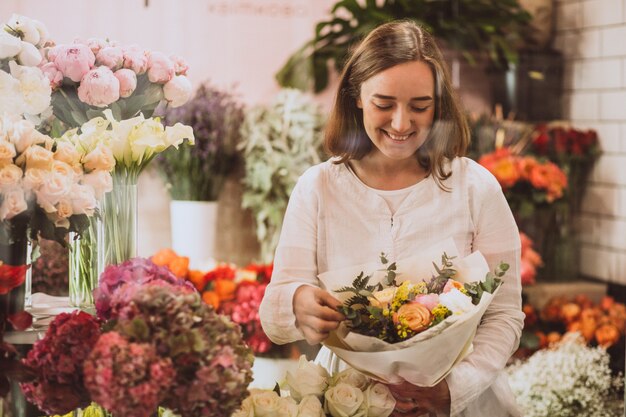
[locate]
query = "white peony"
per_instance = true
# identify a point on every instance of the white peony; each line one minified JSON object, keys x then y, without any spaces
{"x":29,"y":56}
{"x":11,"y":98}
{"x":344,"y":400}
{"x":379,"y":402}
{"x":9,"y":45}
{"x":13,"y":203}
{"x":177,"y":91}
{"x":25,"y":28}
{"x":308,"y":379}
{"x":34,"y":87}
{"x":456,"y":301}
{"x":310,"y":406}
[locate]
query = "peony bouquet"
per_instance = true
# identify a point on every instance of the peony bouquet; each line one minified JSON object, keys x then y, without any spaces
{"x":315,"y":393}
{"x":395,"y":315}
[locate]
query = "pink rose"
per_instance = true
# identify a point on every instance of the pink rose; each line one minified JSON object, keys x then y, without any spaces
{"x":180,"y":65}
{"x":99,"y":87}
{"x":135,"y":59}
{"x":53,"y":74}
{"x":110,"y":56}
{"x":160,"y":68}
{"x":128,"y":81}
{"x":429,"y":301}
{"x":74,"y":61}
{"x":177,"y":91}
{"x":450,"y":284}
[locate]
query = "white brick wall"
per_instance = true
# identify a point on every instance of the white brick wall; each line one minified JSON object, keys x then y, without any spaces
{"x":591,"y":34}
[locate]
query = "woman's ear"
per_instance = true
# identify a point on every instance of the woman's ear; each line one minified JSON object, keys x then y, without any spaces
{"x":359,"y":103}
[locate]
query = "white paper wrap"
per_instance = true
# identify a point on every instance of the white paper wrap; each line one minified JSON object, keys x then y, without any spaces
{"x":428,"y":357}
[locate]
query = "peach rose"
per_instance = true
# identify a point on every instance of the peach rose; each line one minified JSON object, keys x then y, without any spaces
{"x":415,"y":315}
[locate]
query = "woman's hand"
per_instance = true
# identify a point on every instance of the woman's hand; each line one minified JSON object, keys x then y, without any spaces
{"x":316,"y":314}
{"x":415,"y":401}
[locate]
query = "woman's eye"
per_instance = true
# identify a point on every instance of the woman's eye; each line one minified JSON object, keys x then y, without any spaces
{"x":382,"y":106}
{"x":419,"y":109}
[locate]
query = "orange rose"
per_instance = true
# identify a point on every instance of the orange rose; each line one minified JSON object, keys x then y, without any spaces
{"x":211,"y":298}
{"x":607,"y":335}
{"x":179,"y":266}
{"x":415,"y":315}
{"x":225,"y":289}
{"x":164,"y":257}
{"x":570,"y":312}
{"x":197,"y":278}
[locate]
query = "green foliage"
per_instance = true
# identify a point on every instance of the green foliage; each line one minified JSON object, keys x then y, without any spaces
{"x":474,"y":28}
{"x":490,"y":284}
{"x":437,"y":282}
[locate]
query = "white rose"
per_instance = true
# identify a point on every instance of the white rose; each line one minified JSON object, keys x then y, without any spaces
{"x":308,"y":379}
{"x":378,"y":401}
{"x":29,"y":56}
{"x":34,"y":87}
{"x":352,"y":377}
{"x":25,"y":27}
{"x":11,"y":98}
{"x":382,"y":298}
{"x":67,"y":152}
{"x":52,"y":189}
{"x":64,"y":208}
{"x":64,"y":169}
{"x":344,"y":400}
{"x":100,"y":158}
{"x":177,"y":133}
{"x":83,"y":199}
{"x":100,"y":181}
{"x":9,"y":45}
{"x":33,"y":178}
{"x":7,"y":152}
{"x":37,"y":157}
{"x":246,"y":410}
{"x":13,"y":203}
{"x":177,"y":91}
{"x":287,"y":407}
{"x":10,"y":176}
{"x":456,"y":301}
{"x":310,"y":406}
{"x":265,"y":403}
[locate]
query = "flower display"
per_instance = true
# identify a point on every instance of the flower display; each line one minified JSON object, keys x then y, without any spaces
{"x":58,"y":361}
{"x":315,"y":393}
{"x":198,"y":173}
{"x":530,"y":260}
{"x":570,"y":379}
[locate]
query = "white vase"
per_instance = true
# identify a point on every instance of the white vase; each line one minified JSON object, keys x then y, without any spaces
{"x":266,"y":372}
{"x":194,"y":225}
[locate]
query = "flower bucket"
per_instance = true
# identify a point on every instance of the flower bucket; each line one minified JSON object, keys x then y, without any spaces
{"x":194,"y":226}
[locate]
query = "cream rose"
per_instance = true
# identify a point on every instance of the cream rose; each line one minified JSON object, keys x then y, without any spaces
{"x":67,"y":152}
{"x":100,"y":158}
{"x":265,"y":403}
{"x":23,"y":135}
{"x":344,"y":400}
{"x":246,"y":409}
{"x":352,"y":377}
{"x":308,"y":379}
{"x":54,"y":187}
{"x":310,"y":406}
{"x":7,"y":152}
{"x":382,"y":298}
{"x":64,"y":208}
{"x":100,"y":181}
{"x":287,"y":407}
{"x":33,"y":178}
{"x":13,"y":203}
{"x":10,"y":176}
{"x":83,"y":199}
{"x":38,"y":157}
{"x":456,"y":301}
{"x":378,"y":401}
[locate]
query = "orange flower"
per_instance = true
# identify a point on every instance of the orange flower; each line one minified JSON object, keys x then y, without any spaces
{"x":163,"y":257}
{"x":414,"y":315}
{"x":179,"y":266}
{"x":607,"y":335}
{"x":225,"y":289}
{"x":197,"y":278}
{"x":211,"y":298}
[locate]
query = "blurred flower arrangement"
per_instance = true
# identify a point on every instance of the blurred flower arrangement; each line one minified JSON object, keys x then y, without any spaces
{"x":313,"y":392}
{"x":153,"y":343}
{"x":50,"y":269}
{"x":280,"y":141}
{"x":530,"y":262}
{"x":197,"y":173}
{"x":569,"y":379}
{"x":234,"y":292}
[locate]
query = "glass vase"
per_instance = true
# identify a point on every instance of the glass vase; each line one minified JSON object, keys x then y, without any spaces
{"x":119,"y":225}
{"x":84,"y":264}
{"x":16,"y":253}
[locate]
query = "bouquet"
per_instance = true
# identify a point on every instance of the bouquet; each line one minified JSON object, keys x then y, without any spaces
{"x":313,"y":392}
{"x":392,"y":322}
{"x":197,"y":173}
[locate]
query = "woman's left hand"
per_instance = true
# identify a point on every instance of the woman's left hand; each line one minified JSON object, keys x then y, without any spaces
{"x":415,"y":401}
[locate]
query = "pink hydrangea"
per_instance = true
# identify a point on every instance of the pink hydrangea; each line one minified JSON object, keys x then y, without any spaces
{"x":128,"y":81}
{"x":74,"y":61}
{"x":99,"y":87}
{"x":160,"y":68}
{"x":135,"y":59}
{"x":110,"y":56}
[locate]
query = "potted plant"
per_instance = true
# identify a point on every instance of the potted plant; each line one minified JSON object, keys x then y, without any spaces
{"x":195,"y":174}
{"x":281,"y":141}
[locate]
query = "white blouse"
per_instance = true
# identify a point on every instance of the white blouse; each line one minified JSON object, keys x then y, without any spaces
{"x":333,"y":221}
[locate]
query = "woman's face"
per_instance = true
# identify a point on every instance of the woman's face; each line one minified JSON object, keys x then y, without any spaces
{"x":398,"y":109}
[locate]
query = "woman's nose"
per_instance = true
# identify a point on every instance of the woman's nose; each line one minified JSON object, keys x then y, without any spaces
{"x":401,"y":120}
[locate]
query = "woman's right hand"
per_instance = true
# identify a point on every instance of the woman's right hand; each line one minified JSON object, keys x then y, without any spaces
{"x":316,"y":314}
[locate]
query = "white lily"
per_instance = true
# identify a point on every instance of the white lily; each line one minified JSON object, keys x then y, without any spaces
{"x":24,"y":28}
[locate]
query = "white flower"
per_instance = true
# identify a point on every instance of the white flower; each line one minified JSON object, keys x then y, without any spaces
{"x":100,"y":181}
{"x":456,"y":301}
{"x":37,"y":157}
{"x":310,"y":406}
{"x":34,"y":87}
{"x":25,"y":28}
{"x":83,"y":199}
{"x":7,"y":152}
{"x":382,"y":298}
{"x":9,"y":45}
{"x":177,"y":91}
{"x":178,"y":133}
{"x":64,"y":208}
{"x":246,"y":410}
{"x":53,"y":187}
{"x":29,"y":55}
{"x":287,"y":407}
{"x":44,"y":35}
{"x":13,"y":203}
{"x":308,"y":379}
{"x":23,"y":134}
{"x":11,"y":98}
{"x":344,"y":400}
{"x":378,"y":401}
{"x":67,"y":152}
{"x":100,"y":158}
{"x":33,"y":178}
{"x":265,"y":403}
{"x":10,"y":176}
{"x":352,"y":377}
{"x":64,"y":169}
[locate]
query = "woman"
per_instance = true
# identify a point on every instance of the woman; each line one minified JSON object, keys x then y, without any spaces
{"x":397,"y":182}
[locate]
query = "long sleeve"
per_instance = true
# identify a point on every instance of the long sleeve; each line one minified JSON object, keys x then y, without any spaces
{"x":497,"y":238}
{"x":295,"y":262}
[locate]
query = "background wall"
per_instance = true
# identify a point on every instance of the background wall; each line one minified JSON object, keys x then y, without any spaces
{"x":592,"y":36}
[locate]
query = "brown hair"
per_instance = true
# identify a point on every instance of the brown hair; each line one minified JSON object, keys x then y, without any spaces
{"x":388,"y":45}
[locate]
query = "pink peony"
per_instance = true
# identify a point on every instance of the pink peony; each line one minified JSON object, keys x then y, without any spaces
{"x":429,"y":301}
{"x":135,"y":59}
{"x":177,"y":91}
{"x":110,"y":56}
{"x":180,"y":65}
{"x":160,"y":68}
{"x":128,"y":81}
{"x":74,"y":61}
{"x":53,"y":74}
{"x":95,"y":44}
{"x":99,"y":87}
